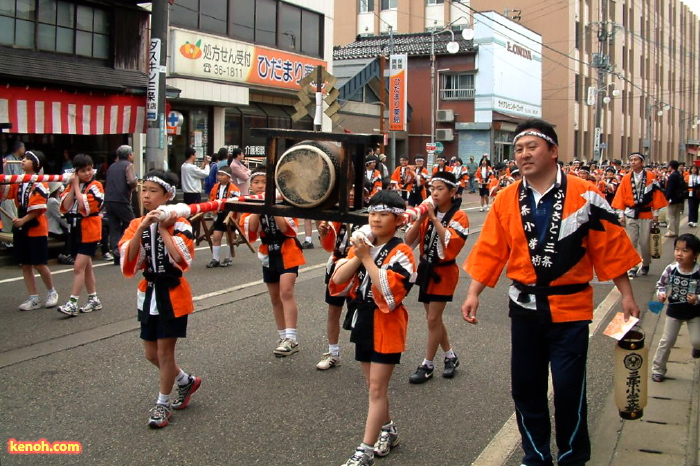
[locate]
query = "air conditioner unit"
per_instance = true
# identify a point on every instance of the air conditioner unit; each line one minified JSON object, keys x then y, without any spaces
{"x":444,"y":135}
{"x":445,"y":116}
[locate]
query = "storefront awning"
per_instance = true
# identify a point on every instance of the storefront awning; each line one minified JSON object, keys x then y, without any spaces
{"x":37,"y":111}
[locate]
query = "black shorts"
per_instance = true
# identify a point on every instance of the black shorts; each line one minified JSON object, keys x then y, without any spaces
{"x":334,"y":300}
{"x":30,"y":250}
{"x":273,"y":276}
{"x":429,"y":298}
{"x":373,"y":356}
{"x":86,"y":249}
{"x":219,"y":224}
{"x":156,"y":328}
{"x":483,"y":191}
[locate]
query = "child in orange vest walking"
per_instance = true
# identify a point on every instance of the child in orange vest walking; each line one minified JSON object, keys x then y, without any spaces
{"x":81,"y":204}
{"x":163,"y":249}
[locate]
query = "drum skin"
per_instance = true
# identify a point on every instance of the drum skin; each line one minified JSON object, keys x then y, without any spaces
{"x":307,"y":174}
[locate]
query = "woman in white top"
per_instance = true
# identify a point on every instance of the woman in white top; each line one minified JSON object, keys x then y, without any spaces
{"x":693,"y":196}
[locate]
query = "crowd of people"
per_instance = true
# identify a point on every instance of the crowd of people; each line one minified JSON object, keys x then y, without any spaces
{"x":551,"y":224}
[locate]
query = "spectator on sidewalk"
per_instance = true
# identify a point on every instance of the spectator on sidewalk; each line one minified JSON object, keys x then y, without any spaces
{"x":191,"y":176}
{"x":240,"y":171}
{"x":11,"y":166}
{"x":120,"y":182}
{"x":676,"y":190}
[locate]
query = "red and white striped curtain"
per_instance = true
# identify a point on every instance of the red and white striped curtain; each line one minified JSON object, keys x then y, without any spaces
{"x":37,"y":111}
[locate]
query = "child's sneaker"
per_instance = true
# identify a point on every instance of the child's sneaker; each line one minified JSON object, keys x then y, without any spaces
{"x":451,"y":365}
{"x":30,"y":304}
{"x":213,"y":264}
{"x":51,"y":299}
{"x":93,"y":304}
{"x":360,"y":458}
{"x":286,"y":348}
{"x":184,"y":392}
{"x":328,"y":361}
{"x":159,"y":416}
{"x":388,"y":439}
{"x":227,"y":262}
{"x":422,"y":374}
{"x":69,"y":309}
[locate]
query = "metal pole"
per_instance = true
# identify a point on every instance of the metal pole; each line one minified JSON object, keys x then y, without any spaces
{"x":382,"y":100}
{"x":432,"y":87}
{"x":602,"y":70}
{"x":156,"y":149}
{"x":649,"y":130}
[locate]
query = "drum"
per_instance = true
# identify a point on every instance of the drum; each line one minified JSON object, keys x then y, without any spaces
{"x":307,"y":174}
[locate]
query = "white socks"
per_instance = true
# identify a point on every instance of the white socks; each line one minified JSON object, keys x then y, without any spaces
{"x":291,"y":333}
{"x":428,"y":363}
{"x":182,"y":378}
{"x":163,"y":399}
{"x":334,"y":350}
{"x":216,"y":253}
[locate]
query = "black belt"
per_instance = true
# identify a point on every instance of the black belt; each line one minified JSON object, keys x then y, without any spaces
{"x":527,"y":290}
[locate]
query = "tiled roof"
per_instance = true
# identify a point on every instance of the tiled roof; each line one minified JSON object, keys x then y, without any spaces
{"x":29,"y":66}
{"x":410,"y":44}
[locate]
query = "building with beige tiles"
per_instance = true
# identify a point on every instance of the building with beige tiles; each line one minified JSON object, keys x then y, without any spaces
{"x":628,"y":67}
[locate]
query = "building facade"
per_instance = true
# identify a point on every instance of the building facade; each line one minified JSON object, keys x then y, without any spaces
{"x":648,"y":93}
{"x":470,"y":99}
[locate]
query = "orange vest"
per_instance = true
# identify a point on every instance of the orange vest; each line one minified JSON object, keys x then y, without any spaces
{"x":608,"y":249}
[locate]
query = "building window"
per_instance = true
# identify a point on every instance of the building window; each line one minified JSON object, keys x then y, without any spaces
{"x":577,"y":88}
{"x":389,"y":4}
{"x":435,"y":2}
{"x":267,"y":22}
{"x":366,"y":6}
{"x":457,"y":86}
{"x":57,"y":25}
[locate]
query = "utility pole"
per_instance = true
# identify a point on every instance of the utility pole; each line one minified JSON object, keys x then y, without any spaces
{"x":601,"y":61}
{"x":155,"y":100}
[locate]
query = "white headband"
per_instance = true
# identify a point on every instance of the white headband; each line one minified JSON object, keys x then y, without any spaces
{"x":534,"y":133}
{"x":170,"y":189}
{"x":32,"y":155}
{"x":386,"y":208}
{"x":447,"y":182}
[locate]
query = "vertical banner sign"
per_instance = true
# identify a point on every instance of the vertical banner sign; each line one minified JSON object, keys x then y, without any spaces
{"x":153,"y":78}
{"x":398,"y":92}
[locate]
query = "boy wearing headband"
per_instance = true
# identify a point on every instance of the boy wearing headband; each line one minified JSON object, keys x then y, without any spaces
{"x":30,"y":231}
{"x":163,"y":250}
{"x":81,"y":204}
{"x":418,"y":192}
{"x":377,"y":275}
{"x":553,"y":231}
{"x":441,"y":233}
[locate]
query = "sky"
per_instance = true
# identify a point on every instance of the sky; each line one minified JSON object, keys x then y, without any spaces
{"x":694,"y":5}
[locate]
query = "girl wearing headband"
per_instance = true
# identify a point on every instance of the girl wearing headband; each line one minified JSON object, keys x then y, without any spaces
{"x":163,"y":251}
{"x":441,"y":233}
{"x":30,"y":232}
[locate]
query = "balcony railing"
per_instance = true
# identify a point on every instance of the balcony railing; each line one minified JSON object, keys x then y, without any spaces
{"x":456,"y":94}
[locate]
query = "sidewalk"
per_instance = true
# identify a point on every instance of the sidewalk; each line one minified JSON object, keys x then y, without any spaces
{"x":667,"y":434}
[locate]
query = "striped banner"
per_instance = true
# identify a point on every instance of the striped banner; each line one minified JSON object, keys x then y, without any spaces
{"x":37,"y":111}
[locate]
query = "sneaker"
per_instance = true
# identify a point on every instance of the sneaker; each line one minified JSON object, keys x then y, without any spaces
{"x":51,"y":299}
{"x":30,"y":304}
{"x":451,"y":365}
{"x":421,"y":374}
{"x":644,"y":270}
{"x":387,"y":441}
{"x":481,"y":209}
{"x":695,"y":353}
{"x":328,"y":361}
{"x":657,"y":377}
{"x":159,"y":416}
{"x":307,"y":245}
{"x":66,"y":259}
{"x":93,"y":304}
{"x":185,"y":392}
{"x":107,"y":257}
{"x":632,"y":273}
{"x":213,"y":264}
{"x":286,"y":348}
{"x":227,"y":262}
{"x":360,"y":458}
{"x":69,"y":309}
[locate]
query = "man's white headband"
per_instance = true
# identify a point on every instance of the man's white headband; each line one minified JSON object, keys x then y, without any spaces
{"x":447,"y":182}
{"x":33,"y":156}
{"x":170,"y":189}
{"x":386,"y":208}
{"x":535,"y":133}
